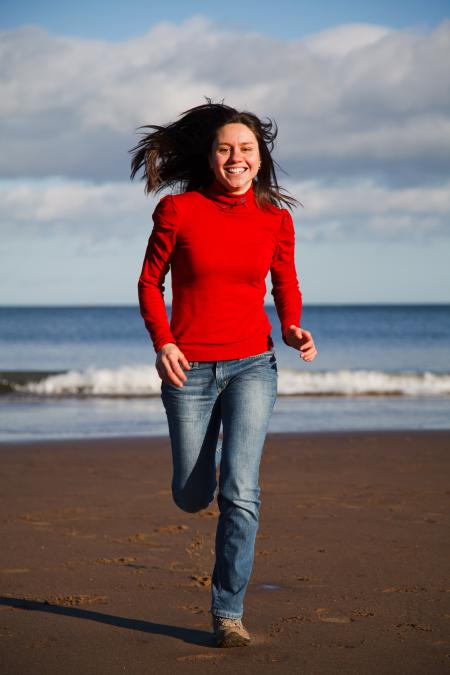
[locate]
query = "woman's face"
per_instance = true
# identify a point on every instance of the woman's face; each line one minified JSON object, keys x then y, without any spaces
{"x":235,"y":157}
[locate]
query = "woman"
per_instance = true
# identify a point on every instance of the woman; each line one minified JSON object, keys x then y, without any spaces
{"x":220,"y":236}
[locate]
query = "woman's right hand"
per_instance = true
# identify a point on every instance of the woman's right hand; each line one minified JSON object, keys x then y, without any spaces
{"x":168,"y":364}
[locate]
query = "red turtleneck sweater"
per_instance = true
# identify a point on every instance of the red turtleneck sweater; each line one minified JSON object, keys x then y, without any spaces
{"x":220,"y":248}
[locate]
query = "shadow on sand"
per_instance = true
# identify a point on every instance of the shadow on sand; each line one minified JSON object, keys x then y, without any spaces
{"x":189,"y":635}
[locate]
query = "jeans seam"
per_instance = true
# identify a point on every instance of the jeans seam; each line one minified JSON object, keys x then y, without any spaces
{"x":255,"y":356}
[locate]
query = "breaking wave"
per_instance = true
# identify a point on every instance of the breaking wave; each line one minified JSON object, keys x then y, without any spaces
{"x":143,"y":381}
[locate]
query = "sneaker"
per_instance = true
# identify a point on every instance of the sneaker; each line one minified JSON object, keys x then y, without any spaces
{"x":229,"y":632}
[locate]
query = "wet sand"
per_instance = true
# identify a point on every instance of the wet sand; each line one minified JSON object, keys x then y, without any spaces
{"x":102,"y":573}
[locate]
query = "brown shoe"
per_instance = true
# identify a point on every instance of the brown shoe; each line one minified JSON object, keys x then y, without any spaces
{"x":229,"y":632}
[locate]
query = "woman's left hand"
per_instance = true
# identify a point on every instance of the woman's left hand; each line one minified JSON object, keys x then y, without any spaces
{"x":301,"y":339}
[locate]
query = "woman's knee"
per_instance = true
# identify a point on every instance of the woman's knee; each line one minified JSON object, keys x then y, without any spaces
{"x":247,"y":503}
{"x":189,"y":503}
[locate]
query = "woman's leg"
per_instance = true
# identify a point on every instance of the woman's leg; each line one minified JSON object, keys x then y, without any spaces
{"x":193,"y":415}
{"x":248,"y":394}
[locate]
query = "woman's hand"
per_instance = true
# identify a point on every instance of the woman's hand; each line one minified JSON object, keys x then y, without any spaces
{"x":168,"y":366}
{"x":301,"y":339}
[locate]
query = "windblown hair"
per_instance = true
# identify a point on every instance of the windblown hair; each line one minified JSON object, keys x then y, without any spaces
{"x":177,"y":154}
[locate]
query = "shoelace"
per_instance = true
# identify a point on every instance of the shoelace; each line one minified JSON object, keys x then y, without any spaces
{"x":228,"y":622}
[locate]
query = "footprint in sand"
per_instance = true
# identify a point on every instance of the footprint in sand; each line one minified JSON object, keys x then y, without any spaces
{"x":403,"y":589}
{"x":286,"y":622}
{"x":75,"y":600}
{"x":208,"y":514}
{"x":194,"y":609}
{"x":64,"y":600}
{"x":415,"y":626}
{"x":201,"y":580}
{"x":171,"y":529}
{"x":194,"y":658}
{"x":332,"y":616}
{"x":176,"y":566}
{"x":268,"y":552}
{"x":362,"y":612}
{"x":140,"y":538}
{"x":116,"y":561}
{"x":296,"y":619}
{"x":195,"y":548}
{"x":35,"y":519}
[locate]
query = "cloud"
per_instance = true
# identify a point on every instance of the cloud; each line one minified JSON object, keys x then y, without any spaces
{"x":366,"y":210}
{"x":341,"y":40}
{"x":94,"y":214}
{"x":355,"y":102}
{"x":90,"y":213}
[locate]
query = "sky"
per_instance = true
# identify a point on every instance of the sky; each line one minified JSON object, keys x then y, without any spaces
{"x":360,"y":93}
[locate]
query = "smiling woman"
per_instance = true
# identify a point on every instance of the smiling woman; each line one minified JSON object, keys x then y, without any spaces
{"x":235,"y":157}
{"x":186,"y":153}
{"x":220,"y":236}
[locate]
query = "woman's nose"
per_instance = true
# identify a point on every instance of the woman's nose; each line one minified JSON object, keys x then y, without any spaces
{"x":235,"y":154}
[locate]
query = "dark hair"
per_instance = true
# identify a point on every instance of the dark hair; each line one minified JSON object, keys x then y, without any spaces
{"x":177,"y":154}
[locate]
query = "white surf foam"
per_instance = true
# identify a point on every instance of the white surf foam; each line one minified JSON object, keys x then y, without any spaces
{"x":143,"y":380}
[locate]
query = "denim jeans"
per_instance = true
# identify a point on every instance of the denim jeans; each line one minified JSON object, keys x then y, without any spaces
{"x":240,"y":394}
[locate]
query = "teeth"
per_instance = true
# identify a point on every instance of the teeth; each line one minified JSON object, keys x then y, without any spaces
{"x":238,"y":170}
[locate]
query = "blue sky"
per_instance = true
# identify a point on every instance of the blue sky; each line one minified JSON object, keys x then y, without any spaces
{"x":359,"y":93}
{"x":117,"y":20}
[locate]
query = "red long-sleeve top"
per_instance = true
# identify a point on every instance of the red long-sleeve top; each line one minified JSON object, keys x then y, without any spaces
{"x":220,"y":248}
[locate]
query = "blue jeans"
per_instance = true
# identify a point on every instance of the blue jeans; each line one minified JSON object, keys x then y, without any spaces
{"x":240,"y":393}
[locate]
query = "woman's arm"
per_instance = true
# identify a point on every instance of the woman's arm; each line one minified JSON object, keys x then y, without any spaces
{"x":156,"y":264}
{"x":161,"y":246}
{"x":287,"y":294}
{"x":285,"y":286}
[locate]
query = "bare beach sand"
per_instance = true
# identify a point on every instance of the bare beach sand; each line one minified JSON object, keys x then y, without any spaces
{"x":102,"y":573}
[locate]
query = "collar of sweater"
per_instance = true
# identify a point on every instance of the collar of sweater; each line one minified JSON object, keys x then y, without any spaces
{"x":230,"y":200}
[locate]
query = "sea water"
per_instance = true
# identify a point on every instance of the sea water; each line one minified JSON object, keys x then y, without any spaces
{"x":89,"y":371}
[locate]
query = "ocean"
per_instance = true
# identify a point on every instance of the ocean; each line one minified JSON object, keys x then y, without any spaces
{"x":71,"y":372}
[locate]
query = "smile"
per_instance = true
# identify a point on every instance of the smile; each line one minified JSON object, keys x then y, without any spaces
{"x":239,"y":169}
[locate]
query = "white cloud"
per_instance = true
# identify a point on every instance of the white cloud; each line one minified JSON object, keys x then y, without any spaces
{"x":363,"y":114}
{"x":93,"y":214}
{"x":341,"y":40}
{"x":365,"y":210}
{"x":355,"y":100}
{"x":90,"y":213}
